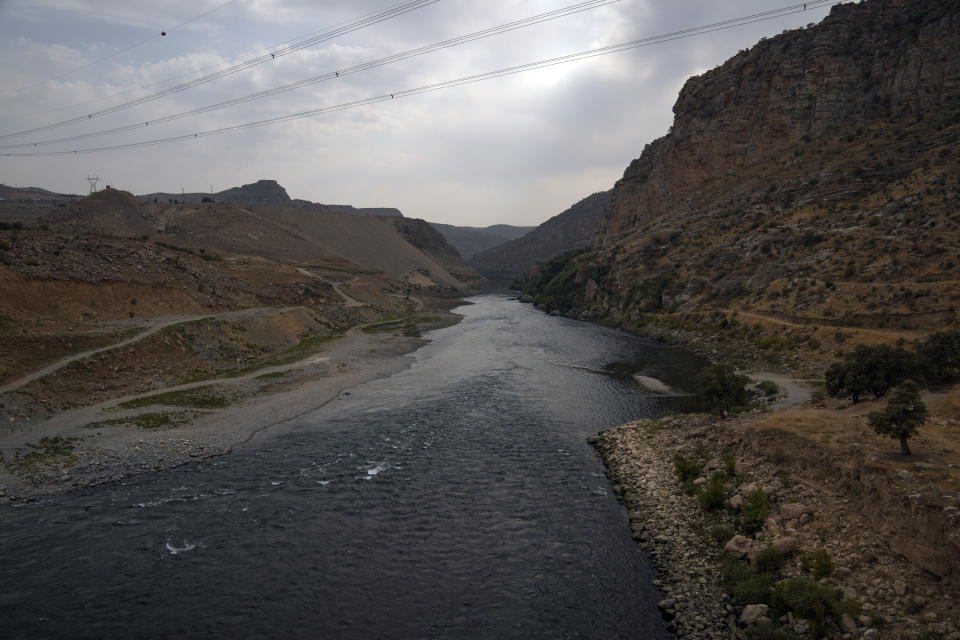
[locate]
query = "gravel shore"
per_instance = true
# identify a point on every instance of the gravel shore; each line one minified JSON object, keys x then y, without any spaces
{"x":96,"y":450}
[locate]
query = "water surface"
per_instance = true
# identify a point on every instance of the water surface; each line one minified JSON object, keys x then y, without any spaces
{"x":456,"y":499}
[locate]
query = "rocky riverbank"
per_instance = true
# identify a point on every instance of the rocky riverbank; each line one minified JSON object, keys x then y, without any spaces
{"x":824,"y":529}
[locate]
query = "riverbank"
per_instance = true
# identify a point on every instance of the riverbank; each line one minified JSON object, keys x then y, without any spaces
{"x":126,"y":436}
{"x":888,"y":553}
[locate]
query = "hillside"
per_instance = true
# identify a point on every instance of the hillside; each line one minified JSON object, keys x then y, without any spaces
{"x":572,"y":229}
{"x":808,"y":183}
{"x":266,"y":193}
{"x":471,"y":240}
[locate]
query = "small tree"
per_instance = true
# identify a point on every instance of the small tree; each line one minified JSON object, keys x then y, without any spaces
{"x":719,"y":389}
{"x":941,"y":356}
{"x":901,"y":417}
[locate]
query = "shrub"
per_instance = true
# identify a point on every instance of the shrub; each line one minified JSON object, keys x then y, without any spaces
{"x":687,"y":470}
{"x":755,"y":511}
{"x":768,"y":387}
{"x":745,"y":585}
{"x":822,"y":564}
{"x":719,"y":389}
{"x":714,"y":493}
{"x":729,"y":463}
{"x":769,"y":560}
{"x":807,"y":599}
{"x":941,"y":356}
{"x":721,"y":534}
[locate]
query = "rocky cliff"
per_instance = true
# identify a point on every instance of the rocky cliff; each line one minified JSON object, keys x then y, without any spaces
{"x":812,"y":178}
{"x":572,"y":229}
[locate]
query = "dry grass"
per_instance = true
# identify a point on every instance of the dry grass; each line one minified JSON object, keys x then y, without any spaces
{"x":844,"y":428}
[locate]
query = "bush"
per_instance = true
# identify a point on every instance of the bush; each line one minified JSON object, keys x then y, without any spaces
{"x":687,"y":470}
{"x":714,"y":493}
{"x":719,"y":389}
{"x":822,"y":564}
{"x":807,"y":599}
{"x":755,"y":511}
{"x":720,"y":534}
{"x":941,"y":356}
{"x":745,"y":585}
{"x":769,"y":560}
{"x":768,"y":387}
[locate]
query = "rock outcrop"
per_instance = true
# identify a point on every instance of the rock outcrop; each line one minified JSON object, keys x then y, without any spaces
{"x":807,"y":178}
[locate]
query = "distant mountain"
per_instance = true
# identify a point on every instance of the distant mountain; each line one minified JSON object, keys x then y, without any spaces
{"x":572,"y":229}
{"x":266,"y":193}
{"x":286,"y":235}
{"x":471,"y":240}
{"x":32,"y":194}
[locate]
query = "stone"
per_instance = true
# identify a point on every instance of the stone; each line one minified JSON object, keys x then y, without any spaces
{"x":785,"y":544}
{"x":871,"y":634}
{"x":751,"y":612}
{"x":738,"y":546}
{"x":848,"y":624}
{"x":772,"y":526}
{"x":903,"y":474}
{"x":792,"y":510}
{"x":747,"y":488}
{"x":736,"y":501}
{"x":899,"y":587}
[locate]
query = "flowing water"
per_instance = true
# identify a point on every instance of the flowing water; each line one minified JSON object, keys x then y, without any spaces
{"x":456,"y":499}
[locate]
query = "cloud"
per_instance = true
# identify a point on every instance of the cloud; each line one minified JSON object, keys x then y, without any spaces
{"x":515,"y":149}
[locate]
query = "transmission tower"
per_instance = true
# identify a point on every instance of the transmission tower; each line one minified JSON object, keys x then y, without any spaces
{"x":93,"y":183}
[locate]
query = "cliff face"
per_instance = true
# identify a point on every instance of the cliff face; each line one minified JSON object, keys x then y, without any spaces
{"x":876,"y":61}
{"x":572,"y":229}
{"x":812,"y":178}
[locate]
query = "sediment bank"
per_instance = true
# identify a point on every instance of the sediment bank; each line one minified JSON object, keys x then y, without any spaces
{"x":94,"y":445}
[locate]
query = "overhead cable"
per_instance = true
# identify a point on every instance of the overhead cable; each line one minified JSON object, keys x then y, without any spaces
{"x":506,"y":71}
{"x":356,"y":25}
{"x":331,"y":75}
{"x":115,"y":53}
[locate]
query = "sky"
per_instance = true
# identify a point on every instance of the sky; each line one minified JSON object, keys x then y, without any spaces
{"x":516,"y":149}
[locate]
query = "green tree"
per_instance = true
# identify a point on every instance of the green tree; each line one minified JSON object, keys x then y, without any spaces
{"x":719,"y":389}
{"x":874,"y":369}
{"x":901,"y":417}
{"x":941,"y":356}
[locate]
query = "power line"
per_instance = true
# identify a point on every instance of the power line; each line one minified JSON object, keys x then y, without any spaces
{"x":265,"y":51}
{"x":356,"y":25}
{"x":115,"y":53}
{"x":331,"y":75}
{"x":464,"y":80}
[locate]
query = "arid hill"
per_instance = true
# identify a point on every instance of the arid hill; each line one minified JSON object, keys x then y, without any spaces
{"x":572,"y":229}
{"x":471,"y":240}
{"x":266,"y":193}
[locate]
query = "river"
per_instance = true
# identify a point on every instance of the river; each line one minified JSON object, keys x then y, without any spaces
{"x":456,"y":499}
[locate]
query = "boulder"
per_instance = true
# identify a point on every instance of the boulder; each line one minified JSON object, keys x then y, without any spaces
{"x":785,"y":544}
{"x":738,"y":546}
{"x":736,"y":501}
{"x":751,"y":612}
{"x":848,"y":624}
{"x":792,"y":510}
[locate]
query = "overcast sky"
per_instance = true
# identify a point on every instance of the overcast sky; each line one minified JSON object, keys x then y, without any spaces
{"x":514,"y":150}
